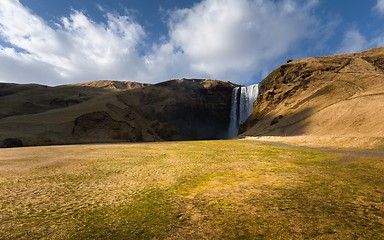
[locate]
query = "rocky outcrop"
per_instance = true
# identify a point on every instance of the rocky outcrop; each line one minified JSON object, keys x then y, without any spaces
{"x":12,"y":142}
{"x":195,"y":108}
{"x":97,"y":126}
{"x":335,"y":95}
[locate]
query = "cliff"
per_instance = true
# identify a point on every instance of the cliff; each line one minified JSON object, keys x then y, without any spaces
{"x":341,"y":95}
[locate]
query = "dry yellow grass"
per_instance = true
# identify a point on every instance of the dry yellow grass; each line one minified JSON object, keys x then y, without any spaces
{"x":190,"y":190}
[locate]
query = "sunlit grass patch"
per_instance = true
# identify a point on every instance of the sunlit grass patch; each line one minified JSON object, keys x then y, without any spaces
{"x":190,"y":190}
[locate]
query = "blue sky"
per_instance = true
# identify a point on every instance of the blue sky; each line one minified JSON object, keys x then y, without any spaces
{"x":60,"y":42}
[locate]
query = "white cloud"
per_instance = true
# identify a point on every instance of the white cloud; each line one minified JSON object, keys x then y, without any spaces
{"x":223,"y":39}
{"x":353,"y":41}
{"x":17,"y":67}
{"x":380,"y":6}
{"x":234,"y":38}
{"x":378,"y":41}
{"x":77,"y":49}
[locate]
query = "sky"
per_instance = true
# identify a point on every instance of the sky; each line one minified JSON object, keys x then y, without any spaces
{"x":61,"y":42}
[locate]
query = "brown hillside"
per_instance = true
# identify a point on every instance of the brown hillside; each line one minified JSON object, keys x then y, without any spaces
{"x":112,"y":85}
{"x":336,"y":96}
{"x":24,"y":99}
{"x":111,"y":111}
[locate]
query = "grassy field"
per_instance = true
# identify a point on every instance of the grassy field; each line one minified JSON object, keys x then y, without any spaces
{"x":190,"y":190}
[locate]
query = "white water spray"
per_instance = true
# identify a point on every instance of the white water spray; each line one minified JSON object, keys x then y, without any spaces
{"x":242,"y":106}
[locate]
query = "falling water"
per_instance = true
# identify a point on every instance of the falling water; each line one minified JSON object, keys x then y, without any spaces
{"x":242,"y":106}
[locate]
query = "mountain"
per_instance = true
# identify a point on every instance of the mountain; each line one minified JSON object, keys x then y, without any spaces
{"x":322,"y":98}
{"x":341,"y":95}
{"x":113,"y":111}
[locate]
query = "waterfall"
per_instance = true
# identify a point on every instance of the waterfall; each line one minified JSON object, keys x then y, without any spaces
{"x":242,"y":106}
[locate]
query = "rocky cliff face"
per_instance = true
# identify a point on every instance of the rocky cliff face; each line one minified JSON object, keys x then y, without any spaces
{"x":112,"y":111}
{"x":336,"y":95}
{"x":192,"y":109}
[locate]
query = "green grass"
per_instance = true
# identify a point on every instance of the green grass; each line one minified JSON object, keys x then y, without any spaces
{"x":190,"y":190}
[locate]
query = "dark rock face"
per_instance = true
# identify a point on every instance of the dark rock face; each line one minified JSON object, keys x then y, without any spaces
{"x":100,"y":125}
{"x":196,"y":108}
{"x":12,"y":142}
